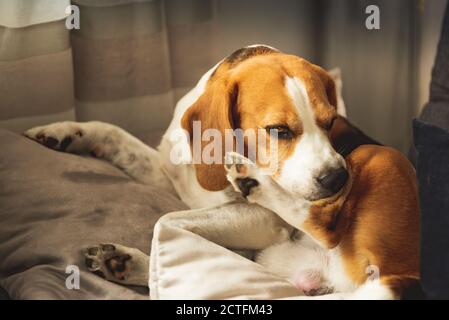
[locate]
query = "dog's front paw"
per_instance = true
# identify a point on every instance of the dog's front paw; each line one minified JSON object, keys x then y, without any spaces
{"x":243,"y":174}
{"x":62,"y":136}
{"x":118,"y":263}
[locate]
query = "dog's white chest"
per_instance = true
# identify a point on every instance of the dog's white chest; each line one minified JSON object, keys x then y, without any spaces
{"x":336,"y":273}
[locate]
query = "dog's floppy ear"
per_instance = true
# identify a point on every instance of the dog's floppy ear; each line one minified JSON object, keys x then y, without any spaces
{"x":329,"y":85}
{"x":345,"y":137}
{"x":215,"y":109}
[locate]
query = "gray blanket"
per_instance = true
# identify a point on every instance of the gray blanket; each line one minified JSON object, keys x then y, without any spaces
{"x":52,"y":205}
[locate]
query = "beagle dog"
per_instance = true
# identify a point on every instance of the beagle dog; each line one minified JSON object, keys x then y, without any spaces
{"x":344,"y":207}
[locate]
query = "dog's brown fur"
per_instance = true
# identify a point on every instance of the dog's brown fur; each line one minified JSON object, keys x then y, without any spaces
{"x":377,"y":221}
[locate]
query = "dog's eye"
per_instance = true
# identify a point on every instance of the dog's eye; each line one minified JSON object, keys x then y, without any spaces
{"x":280,"y":132}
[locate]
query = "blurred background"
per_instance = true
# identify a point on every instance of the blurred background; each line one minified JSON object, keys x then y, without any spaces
{"x":132,"y":59}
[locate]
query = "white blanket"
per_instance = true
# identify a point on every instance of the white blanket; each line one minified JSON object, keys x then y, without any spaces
{"x":186,"y":266}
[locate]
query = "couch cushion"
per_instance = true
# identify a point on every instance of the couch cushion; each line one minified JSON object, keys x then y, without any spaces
{"x":52,"y":205}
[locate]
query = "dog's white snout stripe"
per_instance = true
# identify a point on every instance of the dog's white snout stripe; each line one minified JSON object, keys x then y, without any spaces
{"x":313,"y":152}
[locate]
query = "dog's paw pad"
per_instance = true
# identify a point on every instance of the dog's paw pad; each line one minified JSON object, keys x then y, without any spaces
{"x":40,"y":137}
{"x":241,"y":172}
{"x":92,"y":264}
{"x":107,"y":261}
{"x":50,"y":142}
{"x":319,"y":291}
{"x":237,"y":165}
{"x":57,"y":136}
{"x":246,"y":185}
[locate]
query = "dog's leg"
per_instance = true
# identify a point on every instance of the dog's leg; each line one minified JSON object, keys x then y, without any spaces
{"x":119,"y":264}
{"x":237,"y":225}
{"x":257,"y":187}
{"x":107,"y":141}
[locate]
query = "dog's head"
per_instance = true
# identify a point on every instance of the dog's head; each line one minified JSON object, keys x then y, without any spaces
{"x":261,"y":88}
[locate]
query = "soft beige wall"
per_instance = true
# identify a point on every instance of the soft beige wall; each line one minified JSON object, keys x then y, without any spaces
{"x":286,"y":25}
{"x":378,"y":73}
{"x":378,"y":66}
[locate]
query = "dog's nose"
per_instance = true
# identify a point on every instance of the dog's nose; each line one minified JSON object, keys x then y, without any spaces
{"x":333,"y":180}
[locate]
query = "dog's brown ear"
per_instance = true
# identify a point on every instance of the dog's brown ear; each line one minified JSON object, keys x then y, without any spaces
{"x":345,"y":137}
{"x":329,"y":85}
{"x":215,"y":109}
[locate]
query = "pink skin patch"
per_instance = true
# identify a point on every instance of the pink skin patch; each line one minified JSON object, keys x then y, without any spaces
{"x":308,"y":281}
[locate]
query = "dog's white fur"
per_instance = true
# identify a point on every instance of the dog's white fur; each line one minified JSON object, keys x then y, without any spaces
{"x":250,"y":226}
{"x":313,"y":153}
